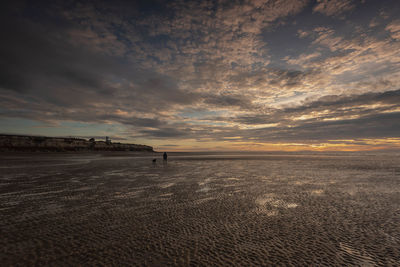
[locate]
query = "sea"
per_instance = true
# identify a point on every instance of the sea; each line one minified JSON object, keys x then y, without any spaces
{"x":200,"y":209}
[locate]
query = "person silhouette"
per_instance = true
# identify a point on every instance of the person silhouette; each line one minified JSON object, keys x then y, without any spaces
{"x":165,"y":156}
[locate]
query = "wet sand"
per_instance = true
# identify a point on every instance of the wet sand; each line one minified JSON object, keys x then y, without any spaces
{"x":225,"y":210}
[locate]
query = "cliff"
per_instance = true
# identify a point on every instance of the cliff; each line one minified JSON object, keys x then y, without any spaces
{"x":39,"y":143}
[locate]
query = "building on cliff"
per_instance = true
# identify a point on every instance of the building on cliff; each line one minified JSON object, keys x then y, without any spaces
{"x":108,"y":140}
{"x":41,"y":143}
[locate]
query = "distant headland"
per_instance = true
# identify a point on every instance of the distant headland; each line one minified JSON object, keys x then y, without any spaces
{"x":27,"y":143}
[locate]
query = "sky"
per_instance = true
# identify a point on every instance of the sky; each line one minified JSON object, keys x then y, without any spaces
{"x":217,"y":75}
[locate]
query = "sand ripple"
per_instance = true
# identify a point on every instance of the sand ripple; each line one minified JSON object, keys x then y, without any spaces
{"x":282,"y":211}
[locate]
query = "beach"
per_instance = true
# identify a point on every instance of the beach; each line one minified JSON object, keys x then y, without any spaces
{"x":199,"y":209}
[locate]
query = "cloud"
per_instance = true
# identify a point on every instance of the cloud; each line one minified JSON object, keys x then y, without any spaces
{"x":107,"y":57}
{"x":56,"y":77}
{"x":229,"y":100}
{"x":358,"y":62}
{"x":371,"y":115}
{"x":165,"y":133}
{"x":294,"y":78}
{"x":394,"y":29}
{"x":159,"y":69}
{"x":333,"y":7}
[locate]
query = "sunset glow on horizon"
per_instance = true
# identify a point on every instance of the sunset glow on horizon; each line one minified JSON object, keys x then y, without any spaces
{"x":253,"y":75}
